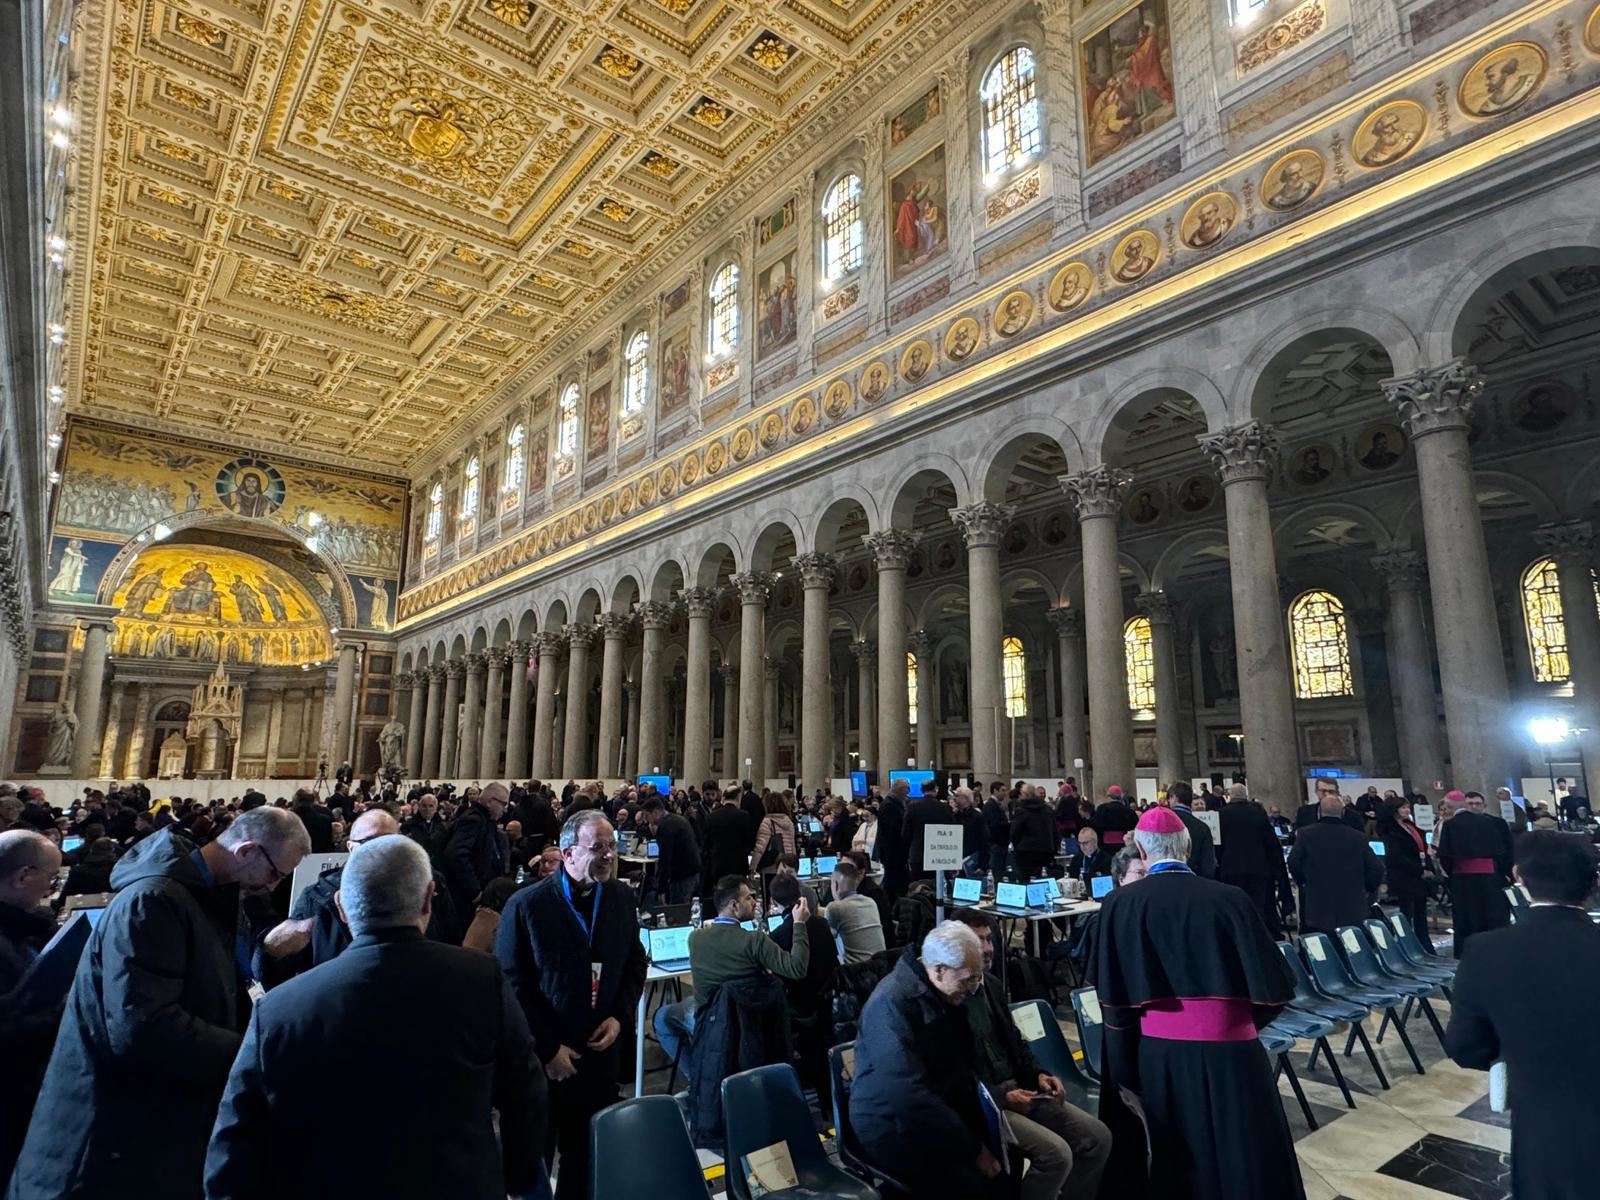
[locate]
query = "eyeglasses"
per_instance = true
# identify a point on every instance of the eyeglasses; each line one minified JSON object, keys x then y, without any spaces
{"x":276,"y":873}
{"x":600,"y":848}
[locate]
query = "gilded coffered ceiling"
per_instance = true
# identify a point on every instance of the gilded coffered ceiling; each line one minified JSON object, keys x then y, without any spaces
{"x":343,"y":227}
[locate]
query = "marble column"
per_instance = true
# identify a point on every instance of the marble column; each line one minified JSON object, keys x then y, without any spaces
{"x":981,"y":525}
{"x":467,"y":757}
{"x":1068,"y":624}
{"x":769,"y":706}
{"x":874,"y":274}
{"x":414,"y":725}
{"x":558,"y":734}
{"x":432,"y":727}
{"x":630,"y":754}
{"x":1411,"y":672}
{"x":1435,"y":404}
{"x":816,"y":696}
{"x":1245,"y":456}
{"x":1099,"y":493}
{"x":921,"y":645}
{"x":308,"y":698}
{"x":730,"y":721}
{"x":1572,"y":545}
{"x":91,"y":682}
{"x":575,"y":744}
{"x":450,"y":740}
{"x":614,"y":629}
{"x":867,"y":708}
{"x":654,"y":616}
{"x":548,"y":647}
{"x":891,"y":551}
{"x":108,"y":744}
{"x":1157,"y":608}
{"x":517,"y":718}
{"x":754,"y":589}
{"x":700,"y":604}
{"x":1059,"y":101}
{"x":138,"y":734}
{"x":493,"y":693}
{"x":275,"y":729}
{"x":344,"y":690}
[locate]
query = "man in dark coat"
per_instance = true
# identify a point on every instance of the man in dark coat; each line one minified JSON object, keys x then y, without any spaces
{"x":476,"y":850}
{"x":1186,"y":975}
{"x":928,"y":810}
{"x":1179,"y":797}
{"x":730,"y":837}
{"x":1248,"y":855}
{"x":1337,"y":872}
{"x":1113,"y":820}
{"x":353,"y":1021}
{"x":677,"y":873}
{"x":28,"y":866}
{"x":752,"y":804}
{"x":914,"y":1099}
{"x":1090,"y":860}
{"x":998,"y":821}
{"x":891,"y":846}
{"x":317,"y":820}
{"x":1033,"y":833}
{"x":1537,"y":966}
{"x":1475,"y":851}
{"x":425,"y":827}
{"x":570,"y":947}
{"x":154,"y":1017}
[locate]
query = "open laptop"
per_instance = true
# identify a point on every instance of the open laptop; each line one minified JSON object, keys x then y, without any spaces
{"x":814,"y":825}
{"x":966,"y":891}
{"x":1100,"y":886}
{"x":655,"y":850}
{"x":1042,"y":893}
{"x":804,"y":869}
{"x":669,"y":948}
{"x":826,"y":865}
{"x":1011,"y":898}
{"x":1377,"y":848}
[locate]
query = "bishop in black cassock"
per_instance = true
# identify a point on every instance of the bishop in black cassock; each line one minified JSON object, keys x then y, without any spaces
{"x":1187,"y":975}
{"x":1475,"y":852}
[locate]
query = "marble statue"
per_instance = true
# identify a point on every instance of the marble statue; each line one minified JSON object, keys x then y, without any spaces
{"x":391,"y":739}
{"x":63,"y":736}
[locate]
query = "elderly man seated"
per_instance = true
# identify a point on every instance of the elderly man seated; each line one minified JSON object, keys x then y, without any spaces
{"x":914,"y":1103}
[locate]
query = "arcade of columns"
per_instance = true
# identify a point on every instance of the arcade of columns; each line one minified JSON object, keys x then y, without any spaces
{"x":1434,"y":405}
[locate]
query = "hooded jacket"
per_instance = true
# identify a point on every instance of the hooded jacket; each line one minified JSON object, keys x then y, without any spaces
{"x":150,"y":1031}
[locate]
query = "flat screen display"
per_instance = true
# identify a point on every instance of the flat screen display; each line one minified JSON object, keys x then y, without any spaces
{"x":1100,"y":886}
{"x":661,"y":783}
{"x":915,"y":778}
{"x":968,"y":890}
{"x":858,"y":784}
{"x":826,"y":864}
{"x":1377,"y":848}
{"x":805,"y":868}
{"x":1011,"y":895}
{"x":669,"y":945}
{"x":1040,"y":892}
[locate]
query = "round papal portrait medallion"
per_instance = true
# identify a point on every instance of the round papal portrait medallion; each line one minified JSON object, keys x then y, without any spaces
{"x":1502,"y":80}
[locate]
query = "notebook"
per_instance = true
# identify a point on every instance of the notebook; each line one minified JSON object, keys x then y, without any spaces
{"x":968,"y":891}
{"x":826,"y":865}
{"x":1100,"y":886}
{"x":1010,"y":895}
{"x":804,"y":869}
{"x":669,"y":948}
{"x":1040,"y":892}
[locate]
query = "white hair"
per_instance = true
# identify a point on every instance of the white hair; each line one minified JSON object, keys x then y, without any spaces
{"x":964,"y":792}
{"x":572,"y":831}
{"x":275,"y":828}
{"x":951,"y":944}
{"x":1161,"y":847}
{"x":385,"y":883}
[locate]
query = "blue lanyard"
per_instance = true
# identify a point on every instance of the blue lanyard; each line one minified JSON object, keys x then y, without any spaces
{"x":1162,"y":867}
{"x":724,"y":921}
{"x":594,"y":916}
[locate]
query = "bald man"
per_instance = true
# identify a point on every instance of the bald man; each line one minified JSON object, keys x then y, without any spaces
{"x":316,"y":933}
{"x":28,"y":866}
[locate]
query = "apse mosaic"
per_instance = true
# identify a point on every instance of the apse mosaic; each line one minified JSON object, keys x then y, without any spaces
{"x":209,"y":603}
{"x":117,"y":484}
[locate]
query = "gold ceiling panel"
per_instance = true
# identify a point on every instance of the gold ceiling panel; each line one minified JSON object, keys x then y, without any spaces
{"x":343,"y":227}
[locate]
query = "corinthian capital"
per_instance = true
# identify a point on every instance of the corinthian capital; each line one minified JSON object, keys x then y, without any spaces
{"x":1570,"y":541}
{"x":437,"y":672}
{"x":1434,"y":399}
{"x":816,"y":570}
{"x":615,"y":626}
{"x":891,"y":548}
{"x":457,"y":667}
{"x":701,"y":602}
{"x":920,"y":644}
{"x":655,"y":614}
{"x":755,"y":587}
{"x":519,"y":652}
{"x":1247,"y":451}
{"x":549,"y":644}
{"x":983,"y":523}
{"x":1157,"y":607}
{"x":495,"y":657}
{"x":581,"y":636}
{"x":1066,"y":620}
{"x":1097,"y":492}
{"x":1402,"y":570}
{"x":865,"y":652}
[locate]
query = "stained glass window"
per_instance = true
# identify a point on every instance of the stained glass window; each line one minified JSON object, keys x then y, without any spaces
{"x":1010,"y":112}
{"x":636,"y":382}
{"x":516,"y":464}
{"x":567,"y":423}
{"x":841,"y":221}
{"x":469,"y":493}
{"x":724,"y":332}
{"x":435,"y":513}
{"x":1320,"y":643}
{"x":911,"y":686}
{"x":1139,"y":648}
{"x":1014,"y":671}
{"x":1547,"y":627}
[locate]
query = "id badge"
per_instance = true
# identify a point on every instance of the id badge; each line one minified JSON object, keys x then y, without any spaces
{"x":594,"y":984}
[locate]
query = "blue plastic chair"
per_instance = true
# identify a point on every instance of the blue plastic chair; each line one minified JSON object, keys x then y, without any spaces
{"x":1278,"y":1044}
{"x":1316,"y":1029}
{"x":1054,"y":1056}
{"x":841,"y":1067}
{"x":1411,"y":946}
{"x":1394,"y":961}
{"x":1333,"y":977}
{"x":1091,"y":1032}
{"x":662,"y":1162}
{"x":1363,"y":962}
{"x":765,"y":1106}
{"x":1309,"y":997}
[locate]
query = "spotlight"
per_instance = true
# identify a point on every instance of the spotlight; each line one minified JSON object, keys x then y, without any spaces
{"x":1548,"y":731}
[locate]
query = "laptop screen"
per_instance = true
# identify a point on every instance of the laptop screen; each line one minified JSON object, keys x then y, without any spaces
{"x":804,"y":869}
{"x":1040,"y":892}
{"x":1011,"y":895}
{"x":1100,"y":886}
{"x":970,"y":890}
{"x":774,"y":921}
{"x":814,"y":825}
{"x":1377,"y":848}
{"x":826,"y":865}
{"x":669,"y":945}
{"x":655,"y":850}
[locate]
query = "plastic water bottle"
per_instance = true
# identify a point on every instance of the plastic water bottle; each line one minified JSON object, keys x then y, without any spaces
{"x":694,"y":913}
{"x":522,"y":876}
{"x":988,"y":883}
{"x":661,"y":920}
{"x":1063,"y":847}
